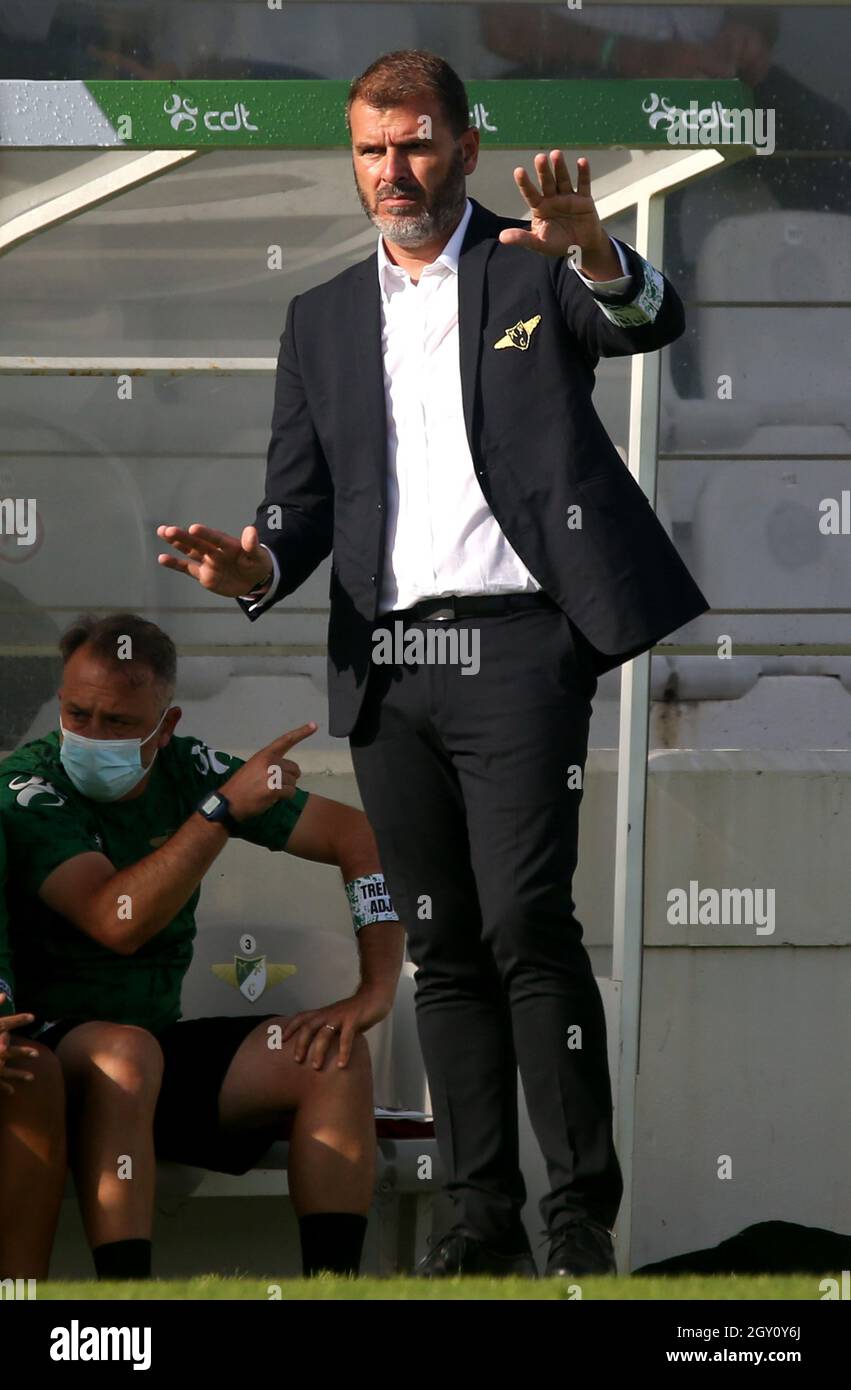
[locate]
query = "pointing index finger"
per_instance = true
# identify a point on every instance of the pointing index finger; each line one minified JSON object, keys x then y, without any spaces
{"x":287,"y":741}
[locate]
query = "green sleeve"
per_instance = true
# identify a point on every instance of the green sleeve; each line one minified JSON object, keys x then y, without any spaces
{"x":43,"y":828}
{"x":271,"y":829}
{"x":7,"y":982}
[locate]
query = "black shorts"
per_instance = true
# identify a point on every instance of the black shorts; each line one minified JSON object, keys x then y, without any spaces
{"x":197,"y":1053}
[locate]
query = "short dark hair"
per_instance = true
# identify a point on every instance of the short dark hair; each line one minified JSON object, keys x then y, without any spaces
{"x":396,"y":78}
{"x":151,"y":647}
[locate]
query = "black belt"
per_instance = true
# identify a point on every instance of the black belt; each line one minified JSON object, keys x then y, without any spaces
{"x":469,"y":606}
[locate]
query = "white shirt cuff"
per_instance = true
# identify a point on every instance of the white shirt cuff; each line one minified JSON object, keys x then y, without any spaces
{"x":260,"y":603}
{"x":617,"y":286}
{"x":647,"y":299}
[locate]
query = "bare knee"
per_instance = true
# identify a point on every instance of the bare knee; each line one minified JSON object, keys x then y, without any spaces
{"x":359,"y":1058}
{"x":358,"y":1068}
{"x":115,"y":1054}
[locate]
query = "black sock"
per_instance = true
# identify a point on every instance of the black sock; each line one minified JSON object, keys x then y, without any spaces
{"x":331,"y":1240}
{"x":123,"y":1259}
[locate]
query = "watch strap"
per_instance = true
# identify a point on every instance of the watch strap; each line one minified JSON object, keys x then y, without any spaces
{"x":221,"y":814}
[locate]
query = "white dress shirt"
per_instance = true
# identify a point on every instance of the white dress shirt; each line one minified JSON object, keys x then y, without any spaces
{"x":442,"y":537}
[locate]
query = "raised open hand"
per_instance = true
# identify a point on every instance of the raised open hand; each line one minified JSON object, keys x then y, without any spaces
{"x":218,"y":561}
{"x":564,"y":217}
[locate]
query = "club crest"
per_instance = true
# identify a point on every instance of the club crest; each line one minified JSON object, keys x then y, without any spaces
{"x":252,"y":975}
{"x":520,"y":335}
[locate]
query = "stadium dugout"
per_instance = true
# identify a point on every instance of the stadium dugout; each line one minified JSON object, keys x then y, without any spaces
{"x":149,"y":160}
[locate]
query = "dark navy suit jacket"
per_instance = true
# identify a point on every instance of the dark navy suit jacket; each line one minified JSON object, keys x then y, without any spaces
{"x":538,"y":446}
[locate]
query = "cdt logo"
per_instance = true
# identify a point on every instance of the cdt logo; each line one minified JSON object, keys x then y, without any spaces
{"x":76,"y":1343}
{"x":184,"y":116}
{"x":181,"y":113}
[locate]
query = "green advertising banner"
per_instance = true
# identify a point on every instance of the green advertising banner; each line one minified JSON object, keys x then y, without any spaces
{"x":510,"y":114}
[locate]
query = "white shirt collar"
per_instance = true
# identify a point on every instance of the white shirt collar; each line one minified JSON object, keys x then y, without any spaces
{"x":449,"y":256}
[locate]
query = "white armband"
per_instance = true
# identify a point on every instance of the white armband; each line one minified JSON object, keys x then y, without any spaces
{"x":369,"y":901}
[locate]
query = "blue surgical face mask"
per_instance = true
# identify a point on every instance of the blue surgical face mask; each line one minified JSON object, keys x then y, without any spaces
{"x":104,"y":769}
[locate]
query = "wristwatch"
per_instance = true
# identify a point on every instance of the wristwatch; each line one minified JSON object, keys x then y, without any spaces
{"x":216,"y":808}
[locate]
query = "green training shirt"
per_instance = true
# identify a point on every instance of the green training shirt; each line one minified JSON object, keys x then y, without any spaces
{"x":61,"y":972}
{"x":7,"y":983}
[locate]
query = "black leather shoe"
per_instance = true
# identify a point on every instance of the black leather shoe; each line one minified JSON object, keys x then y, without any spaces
{"x":581,"y":1247}
{"x":459,"y":1252}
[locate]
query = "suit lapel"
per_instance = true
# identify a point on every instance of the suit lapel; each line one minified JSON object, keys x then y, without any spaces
{"x":362,"y":329}
{"x":478,"y":244}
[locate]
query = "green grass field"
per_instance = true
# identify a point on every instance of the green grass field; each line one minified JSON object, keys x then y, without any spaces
{"x":715,"y":1289}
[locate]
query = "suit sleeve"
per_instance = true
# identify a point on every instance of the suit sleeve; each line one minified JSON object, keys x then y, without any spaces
{"x":647,"y":316}
{"x":296,"y":517}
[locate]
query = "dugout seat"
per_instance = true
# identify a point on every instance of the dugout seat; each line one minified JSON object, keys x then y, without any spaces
{"x":408,"y":1168}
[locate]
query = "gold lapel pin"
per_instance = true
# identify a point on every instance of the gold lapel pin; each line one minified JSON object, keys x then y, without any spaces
{"x":519,"y":335}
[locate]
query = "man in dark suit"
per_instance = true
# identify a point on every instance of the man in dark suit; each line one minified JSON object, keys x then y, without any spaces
{"x":434,"y":429}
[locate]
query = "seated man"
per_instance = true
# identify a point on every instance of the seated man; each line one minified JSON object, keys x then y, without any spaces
{"x":111,"y":827}
{"x":32,"y":1131}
